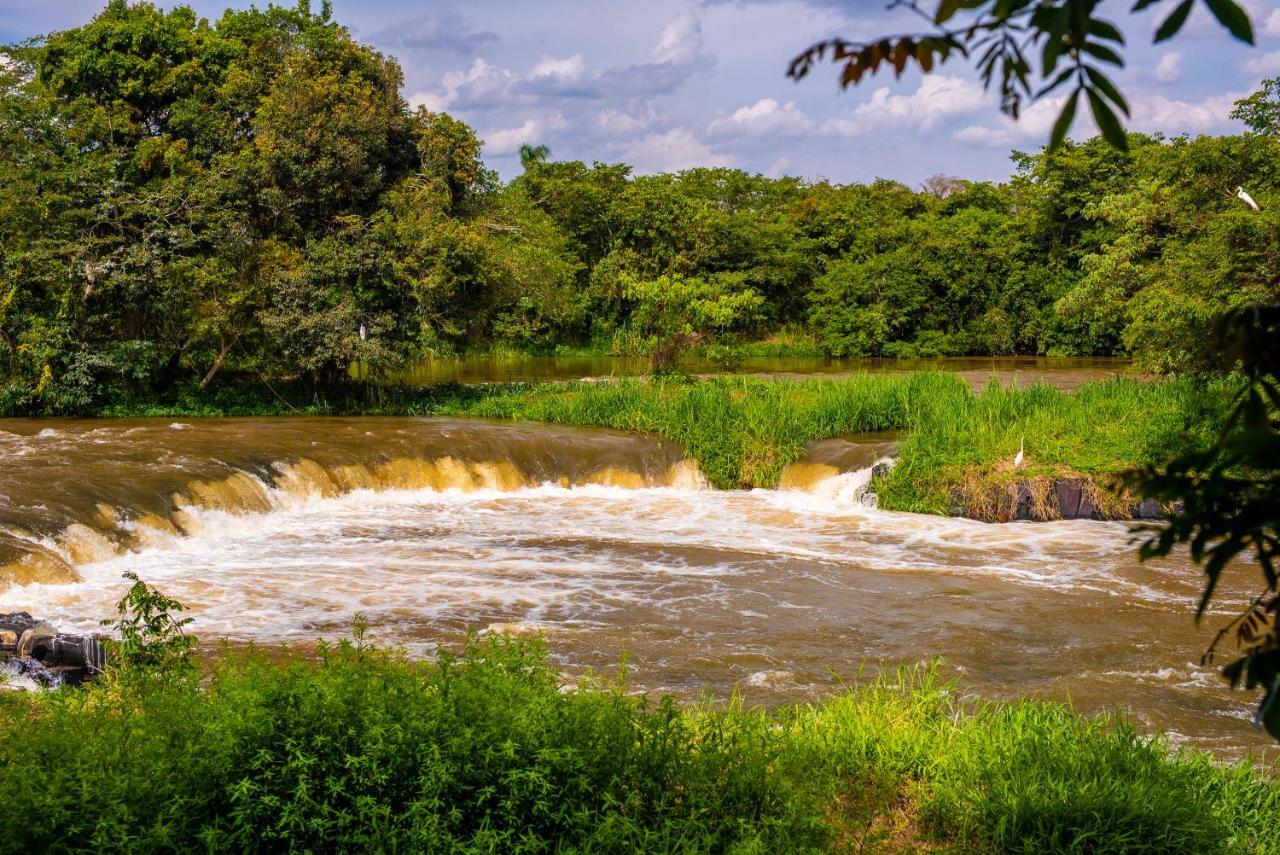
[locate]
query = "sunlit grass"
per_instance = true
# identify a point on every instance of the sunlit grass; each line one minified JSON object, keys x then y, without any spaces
{"x":362,"y":750}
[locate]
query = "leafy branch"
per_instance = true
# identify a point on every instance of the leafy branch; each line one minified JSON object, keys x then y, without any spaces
{"x":1074,"y":44}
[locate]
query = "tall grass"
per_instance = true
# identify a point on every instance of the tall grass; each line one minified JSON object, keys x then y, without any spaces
{"x":958,"y":439}
{"x":741,"y":431}
{"x":362,"y":750}
{"x":744,"y":431}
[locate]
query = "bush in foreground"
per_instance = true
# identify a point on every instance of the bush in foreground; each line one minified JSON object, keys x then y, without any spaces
{"x":359,"y":749}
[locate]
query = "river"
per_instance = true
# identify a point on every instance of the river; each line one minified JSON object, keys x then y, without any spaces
{"x":280,"y":530}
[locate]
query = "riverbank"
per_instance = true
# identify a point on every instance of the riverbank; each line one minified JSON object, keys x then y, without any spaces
{"x":360,"y":749}
{"x":957,"y":455}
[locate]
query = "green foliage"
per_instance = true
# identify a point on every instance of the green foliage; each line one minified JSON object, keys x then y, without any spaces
{"x":1260,"y":112}
{"x":151,"y":638}
{"x":357,"y":748}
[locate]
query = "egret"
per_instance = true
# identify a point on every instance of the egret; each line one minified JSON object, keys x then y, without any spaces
{"x":1017,"y":458}
{"x":363,"y":334}
{"x":1247,"y":199}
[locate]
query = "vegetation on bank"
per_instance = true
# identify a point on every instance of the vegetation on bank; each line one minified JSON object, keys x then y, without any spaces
{"x":183,"y":200}
{"x":743,"y":431}
{"x":359,"y":749}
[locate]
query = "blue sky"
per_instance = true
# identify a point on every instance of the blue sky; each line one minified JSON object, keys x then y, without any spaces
{"x":670,"y":84}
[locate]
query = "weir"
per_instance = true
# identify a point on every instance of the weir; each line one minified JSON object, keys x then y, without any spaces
{"x":79,"y":492}
{"x":280,"y":530}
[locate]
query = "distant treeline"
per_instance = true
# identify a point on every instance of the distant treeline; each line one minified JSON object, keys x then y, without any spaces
{"x":183,"y":200}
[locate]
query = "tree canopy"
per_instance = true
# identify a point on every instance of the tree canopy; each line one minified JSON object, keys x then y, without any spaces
{"x":187,"y":201}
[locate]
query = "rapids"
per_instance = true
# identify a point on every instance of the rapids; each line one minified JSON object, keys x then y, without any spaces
{"x":281,"y":530}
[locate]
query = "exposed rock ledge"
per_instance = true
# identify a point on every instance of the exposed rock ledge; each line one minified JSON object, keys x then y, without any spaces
{"x":35,"y":655}
{"x":1045,"y":499}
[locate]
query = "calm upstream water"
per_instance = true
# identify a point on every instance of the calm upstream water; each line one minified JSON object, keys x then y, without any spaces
{"x":1065,"y":373}
{"x":280,"y":530}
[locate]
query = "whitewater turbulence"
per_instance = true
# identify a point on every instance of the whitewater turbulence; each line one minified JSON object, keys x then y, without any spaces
{"x":281,"y":530}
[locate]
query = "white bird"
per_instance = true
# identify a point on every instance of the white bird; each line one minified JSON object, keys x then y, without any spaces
{"x":1247,"y":199}
{"x":1017,"y":458}
{"x":363,"y":334}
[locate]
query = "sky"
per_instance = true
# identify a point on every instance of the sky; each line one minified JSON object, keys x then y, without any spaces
{"x":672,"y":84}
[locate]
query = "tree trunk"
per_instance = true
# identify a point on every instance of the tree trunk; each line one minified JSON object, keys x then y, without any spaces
{"x":217,"y":363}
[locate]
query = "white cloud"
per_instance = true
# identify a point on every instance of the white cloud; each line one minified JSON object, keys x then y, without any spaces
{"x":482,"y":83}
{"x":680,"y":42}
{"x":677,"y":55}
{"x":1169,"y":68}
{"x":619,"y":123}
{"x":672,"y":151}
{"x":1263,"y":65}
{"x":442,"y":31}
{"x":1035,"y":123}
{"x":938,"y":97}
{"x":779,"y":167}
{"x":1173,"y":116}
{"x":765,"y":117}
{"x":1151,"y":113}
{"x":570,"y":68}
{"x":509,"y":140}
{"x":1271,"y":26}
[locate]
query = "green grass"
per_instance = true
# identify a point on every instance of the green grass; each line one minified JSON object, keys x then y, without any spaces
{"x":962,"y":442}
{"x":362,"y":750}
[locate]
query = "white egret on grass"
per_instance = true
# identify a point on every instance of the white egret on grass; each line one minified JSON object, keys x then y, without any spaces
{"x":1247,"y":199}
{"x":1017,"y":458}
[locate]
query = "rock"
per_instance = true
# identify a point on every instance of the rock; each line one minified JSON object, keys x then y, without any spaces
{"x":881,"y":469}
{"x":35,"y":640}
{"x":76,"y":651}
{"x":1149,"y":509}
{"x":16,"y":622}
{"x":8,"y":640}
{"x":1070,"y":492}
{"x":63,"y":651}
{"x":1023,"y":501}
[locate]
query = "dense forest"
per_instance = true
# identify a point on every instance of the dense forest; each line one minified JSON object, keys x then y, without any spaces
{"x":185,"y":201}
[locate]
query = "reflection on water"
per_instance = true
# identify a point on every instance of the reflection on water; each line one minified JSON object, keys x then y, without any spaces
{"x":280,"y":530}
{"x":1066,"y":373}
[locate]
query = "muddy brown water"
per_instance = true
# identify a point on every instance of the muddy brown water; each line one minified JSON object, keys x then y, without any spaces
{"x":280,"y":530}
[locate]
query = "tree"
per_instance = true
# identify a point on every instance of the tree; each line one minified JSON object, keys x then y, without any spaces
{"x":1005,"y":38}
{"x":1260,"y":112}
{"x":677,"y":311}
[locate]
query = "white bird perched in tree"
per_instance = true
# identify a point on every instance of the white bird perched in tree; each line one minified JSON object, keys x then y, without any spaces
{"x":1017,"y":458}
{"x":363,"y":334}
{"x":1247,"y":199}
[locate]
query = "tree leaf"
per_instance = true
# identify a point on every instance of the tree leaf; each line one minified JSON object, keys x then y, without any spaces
{"x":1234,"y":18}
{"x":1106,"y":30}
{"x":1065,"y":118}
{"x":1110,"y":126}
{"x":1103,"y":53}
{"x":1058,"y":81}
{"x":1174,"y":22}
{"x":1100,"y":82}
